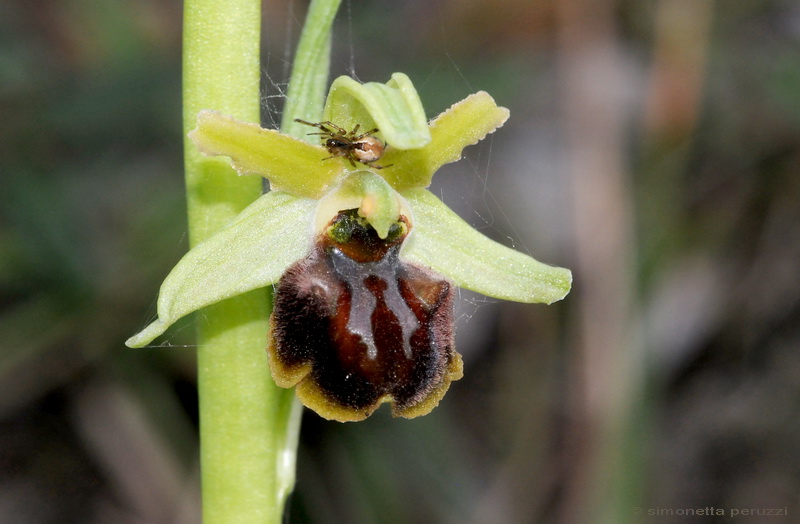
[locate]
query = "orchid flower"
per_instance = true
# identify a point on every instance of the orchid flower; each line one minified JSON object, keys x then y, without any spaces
{"x":364,"y":259}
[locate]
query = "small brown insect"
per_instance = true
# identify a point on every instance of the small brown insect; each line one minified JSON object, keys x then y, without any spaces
{"x":363,"y":148}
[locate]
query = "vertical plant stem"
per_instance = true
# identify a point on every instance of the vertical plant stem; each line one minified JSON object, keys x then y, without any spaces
{"x":248,"y":426}
{"x":242,"y":412}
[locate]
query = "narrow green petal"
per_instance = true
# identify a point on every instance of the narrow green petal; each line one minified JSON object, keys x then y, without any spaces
{"x":290,"y":165}
{"x":466,"y":123}
{"x":441,"y":240}
{"x":251,"y":252}
{"x":394,"y":108}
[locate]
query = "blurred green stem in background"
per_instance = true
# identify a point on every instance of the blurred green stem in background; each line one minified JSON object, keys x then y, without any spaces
{"x":248,"y":426}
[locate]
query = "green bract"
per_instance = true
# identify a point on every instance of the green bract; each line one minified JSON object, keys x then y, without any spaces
{"x":279,"y":228}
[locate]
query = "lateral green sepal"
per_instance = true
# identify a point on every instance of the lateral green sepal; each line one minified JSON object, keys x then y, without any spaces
{"x":444,"y":242}
{"x":251,"y":252}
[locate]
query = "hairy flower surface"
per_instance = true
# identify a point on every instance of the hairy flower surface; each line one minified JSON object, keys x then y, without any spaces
{"x":363,"y":258}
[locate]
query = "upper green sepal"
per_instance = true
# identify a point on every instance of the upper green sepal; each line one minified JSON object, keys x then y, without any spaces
{"x":394,"y":108}
{"x":251,"y":252}
{"x":444,"y":242}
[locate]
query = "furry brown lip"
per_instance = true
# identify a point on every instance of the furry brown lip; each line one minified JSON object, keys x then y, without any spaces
{"x":354,"y":326}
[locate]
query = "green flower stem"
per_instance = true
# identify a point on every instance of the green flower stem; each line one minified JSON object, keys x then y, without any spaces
{"x":249,"y":426}
{"x":238,"y":402}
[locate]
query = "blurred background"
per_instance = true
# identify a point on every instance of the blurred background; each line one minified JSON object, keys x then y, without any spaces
{"x":653,"y":147}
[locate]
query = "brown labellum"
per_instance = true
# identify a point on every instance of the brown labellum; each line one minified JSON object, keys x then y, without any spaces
{"x":353,"y":326}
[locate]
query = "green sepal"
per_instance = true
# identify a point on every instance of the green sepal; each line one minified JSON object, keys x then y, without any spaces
{"x":394,"y":108}
{"x":441,"y":240}
{"x":464,"y":124}
{"x":290,"y":164}
{"x":374,"y":198}
{"x":253,"y":251}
